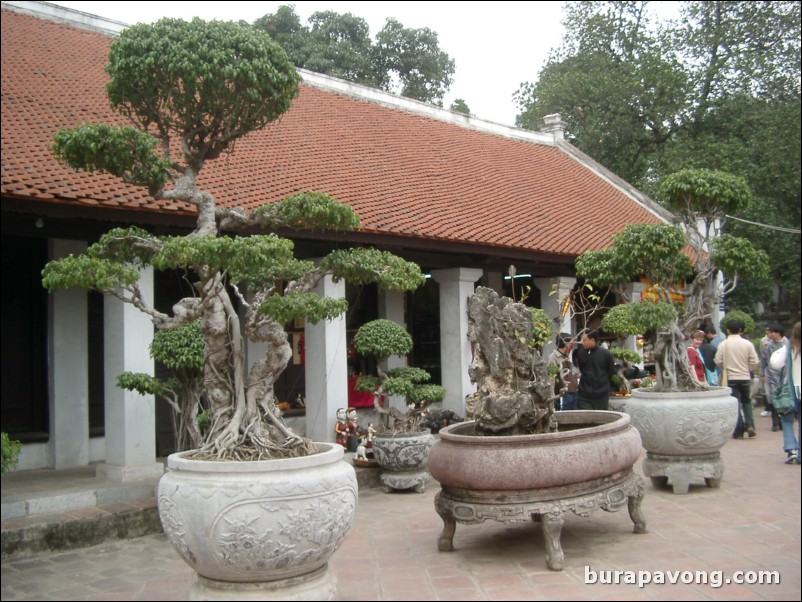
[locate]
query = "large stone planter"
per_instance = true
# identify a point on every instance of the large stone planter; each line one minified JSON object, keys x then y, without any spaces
{"x":403,"y":459}
{"x":259,"y":530}
{"x":683,"y":433}
{"x":584,"y":467}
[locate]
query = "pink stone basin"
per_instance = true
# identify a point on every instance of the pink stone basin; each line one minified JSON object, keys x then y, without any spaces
{"x":590,"y":445}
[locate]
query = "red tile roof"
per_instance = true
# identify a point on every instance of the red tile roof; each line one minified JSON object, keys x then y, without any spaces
{"x":405,"y":173}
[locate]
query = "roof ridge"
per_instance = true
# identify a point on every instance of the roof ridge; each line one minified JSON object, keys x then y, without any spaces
{"x":69,"y":16}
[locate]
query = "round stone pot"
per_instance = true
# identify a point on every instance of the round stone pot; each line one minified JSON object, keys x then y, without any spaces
{"x":265,"y":528}
{"x":683,"y":433}
{"x":589,"y":446}
{"x":584,"y":467}
{"x":403,"y":459}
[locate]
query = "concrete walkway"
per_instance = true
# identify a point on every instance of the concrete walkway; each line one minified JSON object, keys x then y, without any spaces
{"x":748,"y":527}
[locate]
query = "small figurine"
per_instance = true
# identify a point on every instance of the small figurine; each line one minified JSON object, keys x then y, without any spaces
{"x":371,"y":435}
{"x":353,"y":430}
{"x":341,"y":428}
{"x":361,"y":450}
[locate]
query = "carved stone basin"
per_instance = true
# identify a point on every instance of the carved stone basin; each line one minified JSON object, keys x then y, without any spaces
{"x":585,"y":466}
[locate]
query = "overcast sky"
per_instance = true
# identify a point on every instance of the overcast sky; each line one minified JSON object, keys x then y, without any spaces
{"x":496,"y":45}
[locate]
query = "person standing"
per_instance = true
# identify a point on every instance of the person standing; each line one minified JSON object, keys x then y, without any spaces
{"x":596,"y":367}
{"x":737,"y":358}
{"x":779,"y":360}
{"x":695,"y":356}
{"x":771,"y":377}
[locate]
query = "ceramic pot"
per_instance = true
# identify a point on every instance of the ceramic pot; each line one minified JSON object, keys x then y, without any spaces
{"x":682,"y":433}
{"x":403,"y":458}
{"x":257,"y":522}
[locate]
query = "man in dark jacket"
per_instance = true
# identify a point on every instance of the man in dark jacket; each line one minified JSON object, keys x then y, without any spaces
{"x":596,"y":367}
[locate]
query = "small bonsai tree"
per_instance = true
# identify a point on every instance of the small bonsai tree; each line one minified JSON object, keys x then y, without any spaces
{"x":380,"y":339}
{"x":191,"y":90}
{"x":181,"y":351}
{"x":668,"y":256}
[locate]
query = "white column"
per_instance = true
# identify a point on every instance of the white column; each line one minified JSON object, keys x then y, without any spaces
{"x":69,"y":370}
{"x":391,"y":307}
{"x":635,"y":291}
{"x":130,"y":417}
{"x":326,"y":368}
{"x":553,"y":304}
{"x":456,"y":287}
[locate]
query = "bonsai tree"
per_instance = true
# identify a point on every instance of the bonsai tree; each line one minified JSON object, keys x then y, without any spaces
{"x":749,"y":321}
{"x":695,"y":254}
{"x":181,"y":351}
{"x":380,"y":339}
{"x":191,"y":90}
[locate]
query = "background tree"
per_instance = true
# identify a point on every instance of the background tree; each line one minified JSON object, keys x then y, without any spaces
{"x":460,"y":106}
{"x":205,"y":85}
{"x":402,"y":60}
{"x":659,"y":252}
{"x":718,"y":89}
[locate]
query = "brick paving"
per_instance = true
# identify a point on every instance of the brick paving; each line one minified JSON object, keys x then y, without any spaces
{"x":751,"y":524}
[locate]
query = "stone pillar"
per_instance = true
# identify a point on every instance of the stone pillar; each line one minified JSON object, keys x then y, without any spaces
{"x":456,"y":286}
{"x":391,"y":307}
{"x":326,"y":368}
{"x":553,"y":304}
{"x":130,"y":417}
{"x":68,"y":350}
{"x":634,"y":290}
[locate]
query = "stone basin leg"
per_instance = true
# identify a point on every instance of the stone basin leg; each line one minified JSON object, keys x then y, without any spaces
{"x":445,"y":543}
{"x":635,"y":512}
{"x":552,"y":529}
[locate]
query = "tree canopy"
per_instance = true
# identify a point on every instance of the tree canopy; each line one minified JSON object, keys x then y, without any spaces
{"x":718,"y":88}
{"x":402,"y":60}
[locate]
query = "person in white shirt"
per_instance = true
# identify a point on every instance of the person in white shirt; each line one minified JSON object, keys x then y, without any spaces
{"x":738,"y":359}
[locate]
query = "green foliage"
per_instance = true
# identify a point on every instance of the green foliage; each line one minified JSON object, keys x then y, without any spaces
{"x":361,"y":265}
{"x":86,"y":272}
{"x":749,"y":321}
{"x":732,"y":254}
{"x":382,"y":338}
{"x":402,"y":60}
{"x":718,"y":89}
{"x":705,"y":193}
{"x":308,"y":211}
{"x":542,"y":327}
{"x":204,"y":421}
{"x":639,"y":318}
{"x":413,"y":56}
{"x":124,"y":152}
{"x":651,"y":250}
{"x":144,"y":384}
{"x":209,"y":83}
{"x":10,"y":452}
{"x":285,"y":308}
{"x":626,"y":355}
{"x":460,"y":106}
{"x":181,"y":348}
